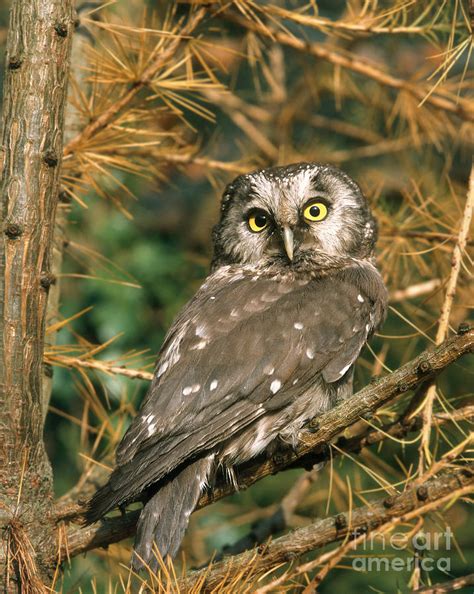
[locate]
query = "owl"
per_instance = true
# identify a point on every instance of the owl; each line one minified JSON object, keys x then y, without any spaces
{"x":267,"y":343}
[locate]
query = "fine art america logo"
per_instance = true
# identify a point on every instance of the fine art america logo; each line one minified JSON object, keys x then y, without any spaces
{"x":381,"y":552}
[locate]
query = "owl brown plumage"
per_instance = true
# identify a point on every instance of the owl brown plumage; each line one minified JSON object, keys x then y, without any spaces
{"x":268,"y":342}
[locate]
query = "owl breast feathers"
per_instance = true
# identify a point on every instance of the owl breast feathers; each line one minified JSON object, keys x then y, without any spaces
{"x":268,"y":342}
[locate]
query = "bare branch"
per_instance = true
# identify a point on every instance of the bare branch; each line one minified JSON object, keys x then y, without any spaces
{"x":104,"y":366}
{"x":186,"y":157}
{"x":433,"y":236}
{"x":329,"y":425}
{"x":70,"y":507}
{"x":414,"y":291}
{"x":278,"y":521}
{"x":191,"y":159}
{"x":451,"y":586}
{"x":364,"y":520}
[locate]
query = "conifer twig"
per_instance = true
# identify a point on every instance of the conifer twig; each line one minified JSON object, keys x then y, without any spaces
{"x":416,"y":290}
{"x":360,"y":24}
{"x":104,"y":366}
{"x":113,"y":110}
{"x":443,"y":325}
{"x":366,"y":401}
{"x":442,"y":101}
{"x":70,"y":506}
{"x":366,"y":519}
{"x":450,"y":586}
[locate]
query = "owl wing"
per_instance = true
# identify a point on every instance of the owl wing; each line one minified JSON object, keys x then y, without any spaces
{"x":236,"y":352}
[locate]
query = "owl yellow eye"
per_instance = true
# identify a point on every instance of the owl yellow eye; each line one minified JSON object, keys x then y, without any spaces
{"x":257,"y":221}
{"x":315,"y":211}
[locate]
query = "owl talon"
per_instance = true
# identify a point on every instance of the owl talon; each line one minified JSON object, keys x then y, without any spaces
{"x":279,"y":449}
{"x":313,"y":425}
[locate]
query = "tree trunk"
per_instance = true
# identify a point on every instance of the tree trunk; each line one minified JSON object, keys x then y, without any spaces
{"x":37,"y":64}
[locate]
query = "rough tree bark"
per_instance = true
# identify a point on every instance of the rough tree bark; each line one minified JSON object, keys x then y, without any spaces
{"x":37,"y":63}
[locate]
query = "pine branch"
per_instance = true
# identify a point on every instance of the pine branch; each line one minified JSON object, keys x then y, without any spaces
{"x":228,"y":166}
{"x":451,"y":586}
{"x":362,"y":24}
{"x":365,"y":402}
{"x":116,"y":108}
{"x":358,"y":522}
{"x":279,"y":520}
{"x":70,"y":506}
{"x":442,"y":101}
{"x":433,"y":236}
{"x":185,"y":158}
{"x":414,"y":291}
{"x":443,"y":325}
{"x":104,"y":366}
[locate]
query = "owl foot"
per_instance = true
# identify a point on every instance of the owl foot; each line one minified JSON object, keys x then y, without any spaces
{"x":279,"y":449}
{"x":312,"y":426}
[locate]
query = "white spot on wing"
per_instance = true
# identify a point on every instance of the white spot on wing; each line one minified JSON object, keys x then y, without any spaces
{"x":310,"y":353}
{"x":199,"y":346}
{"x":162,"y":368}
{"x":172,"y":354}
{"x":196,"y":388}
{"x":275,"y":386}
{"x":201,"y":331}
{"x":236,"y":277}
{"x":268,"y":370}
{"x":213,"y":385}
{"x":260,"y":440}
{"x":151,"y":428}
{"x":187,"y":390}
{"x":360,"y":298}
{"x":298,"y":325}
{"x":344,"y":369}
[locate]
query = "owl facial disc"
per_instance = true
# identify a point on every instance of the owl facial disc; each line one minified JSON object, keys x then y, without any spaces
{"x":297,"y":216}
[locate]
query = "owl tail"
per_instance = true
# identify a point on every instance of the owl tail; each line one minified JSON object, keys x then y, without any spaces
{"x":165,"y":516}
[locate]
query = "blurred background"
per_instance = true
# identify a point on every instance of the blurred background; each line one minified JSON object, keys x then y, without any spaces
{"x":140,"y":199}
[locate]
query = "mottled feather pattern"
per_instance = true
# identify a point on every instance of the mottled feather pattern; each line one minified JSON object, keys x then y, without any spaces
{"x":306,"y":327}
{"x":268,"y":342}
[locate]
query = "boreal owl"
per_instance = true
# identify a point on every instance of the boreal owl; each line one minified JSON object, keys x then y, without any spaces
{"x":267,"y":343}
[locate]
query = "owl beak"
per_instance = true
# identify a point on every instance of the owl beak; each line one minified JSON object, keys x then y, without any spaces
{"x":288,"y":240}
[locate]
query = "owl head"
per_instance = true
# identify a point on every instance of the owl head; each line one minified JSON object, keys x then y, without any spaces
{"x":300,"y":213}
